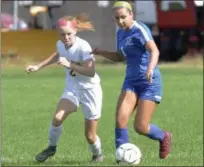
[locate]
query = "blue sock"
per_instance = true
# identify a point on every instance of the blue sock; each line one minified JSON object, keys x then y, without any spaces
{"x":155,"y":133}
{"x":121,"y":136}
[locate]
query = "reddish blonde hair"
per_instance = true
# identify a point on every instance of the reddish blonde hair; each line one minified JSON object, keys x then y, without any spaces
{"x":80,"y":22}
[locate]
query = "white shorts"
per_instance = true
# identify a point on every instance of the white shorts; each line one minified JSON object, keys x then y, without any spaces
{"x":90,"y":99}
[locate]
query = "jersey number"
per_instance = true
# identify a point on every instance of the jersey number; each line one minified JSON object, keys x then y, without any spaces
{"x":72,"y":73}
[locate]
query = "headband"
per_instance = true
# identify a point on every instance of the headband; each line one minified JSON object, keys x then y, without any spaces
{"x":124,"y":4}
{"x":62,"y":22}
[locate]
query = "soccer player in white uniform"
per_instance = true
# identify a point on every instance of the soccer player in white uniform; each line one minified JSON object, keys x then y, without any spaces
{"x":82,"y":84}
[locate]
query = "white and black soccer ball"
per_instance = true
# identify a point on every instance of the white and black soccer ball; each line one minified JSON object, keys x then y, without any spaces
{"x":128,"y":153}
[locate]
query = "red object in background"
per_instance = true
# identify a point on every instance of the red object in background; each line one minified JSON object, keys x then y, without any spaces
{"x":185,"y":18}
{"x":202,"y":28}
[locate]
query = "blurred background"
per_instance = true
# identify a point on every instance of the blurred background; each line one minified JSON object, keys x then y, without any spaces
{"x":28,"y":27}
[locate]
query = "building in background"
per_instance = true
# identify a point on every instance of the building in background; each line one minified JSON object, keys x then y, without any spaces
{"x":42,"y":13}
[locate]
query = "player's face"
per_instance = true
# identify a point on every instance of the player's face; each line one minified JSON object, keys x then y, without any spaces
{"x":124,"y":18}
{"x":67,"y":35}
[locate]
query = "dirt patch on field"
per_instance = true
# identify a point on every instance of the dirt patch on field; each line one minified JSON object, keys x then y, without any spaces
{"x":185,"y":62}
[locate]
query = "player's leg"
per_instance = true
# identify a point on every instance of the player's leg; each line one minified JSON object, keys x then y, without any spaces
{"x":125,"y":107}
{"x":67,"y":105}
{"x":93,"y":139}
{"x":147,"y":103}
{"x":64,"y":108}
{"x":91,"y":105}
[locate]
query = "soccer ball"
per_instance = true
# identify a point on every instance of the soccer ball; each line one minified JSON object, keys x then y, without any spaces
{"x":128,"y":153}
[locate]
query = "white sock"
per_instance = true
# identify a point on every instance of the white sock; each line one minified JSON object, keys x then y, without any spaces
{"x":54,"y":134}
{"x":96,"y":147}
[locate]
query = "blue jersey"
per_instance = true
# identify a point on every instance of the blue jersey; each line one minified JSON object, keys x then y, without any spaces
{"x":132,"y":45}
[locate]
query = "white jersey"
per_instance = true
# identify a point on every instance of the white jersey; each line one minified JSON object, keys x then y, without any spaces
{"x":78,"y":52}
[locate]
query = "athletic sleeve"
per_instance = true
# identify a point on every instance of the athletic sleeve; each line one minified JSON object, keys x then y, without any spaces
{"x":85,"y":51}
{"x":145,"y":34}
{"x":116,"y":38}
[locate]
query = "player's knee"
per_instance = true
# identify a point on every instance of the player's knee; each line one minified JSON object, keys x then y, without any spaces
{"x":90,"y":137}
{"x":58,"y":119}
{"x":121,"y":121}
{"x":141,"y":128}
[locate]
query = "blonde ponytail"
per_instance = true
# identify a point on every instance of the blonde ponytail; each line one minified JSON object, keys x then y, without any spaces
{"x":83,"y":23}
{"x":80,"y":22}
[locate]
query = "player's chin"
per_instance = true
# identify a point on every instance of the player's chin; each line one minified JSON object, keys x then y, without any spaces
{"x":67,"y":43}
{"x":124,"y":28}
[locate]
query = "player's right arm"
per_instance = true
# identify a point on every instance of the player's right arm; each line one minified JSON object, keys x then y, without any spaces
{"x":50,"y":60}
{"x":113,"y":56}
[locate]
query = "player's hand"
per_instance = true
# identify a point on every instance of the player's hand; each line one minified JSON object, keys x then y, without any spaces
{"x":95,"y":51}
{"x":63,"y":61}
{"x":32,"y":68}
{"x":149,"y":75}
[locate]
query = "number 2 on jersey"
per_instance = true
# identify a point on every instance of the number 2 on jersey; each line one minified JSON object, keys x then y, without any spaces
{"x":72,"y":73}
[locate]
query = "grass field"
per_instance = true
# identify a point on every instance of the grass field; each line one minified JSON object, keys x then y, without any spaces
{"x":28,"y":103}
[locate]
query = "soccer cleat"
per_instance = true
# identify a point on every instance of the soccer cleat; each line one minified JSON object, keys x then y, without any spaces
{"x":45,"y":154}
{"x":165,"y":145}
{"x":98,"y":158}
{"x":118,"y":162}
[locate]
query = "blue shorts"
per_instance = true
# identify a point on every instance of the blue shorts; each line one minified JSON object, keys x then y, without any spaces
{"x":145,"y":90}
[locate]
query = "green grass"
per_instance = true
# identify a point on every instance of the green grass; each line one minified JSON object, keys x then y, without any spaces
{"x":29,"y":101}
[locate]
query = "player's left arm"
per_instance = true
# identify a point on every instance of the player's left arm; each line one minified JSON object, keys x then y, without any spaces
{"x":154,"y":54}
{"x":87,"y":65}
{"x":86,"y":68}
{"x":149,"y":43}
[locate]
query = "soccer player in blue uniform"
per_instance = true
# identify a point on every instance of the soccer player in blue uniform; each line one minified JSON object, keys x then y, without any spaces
{"x":142,"y":87}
